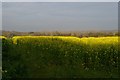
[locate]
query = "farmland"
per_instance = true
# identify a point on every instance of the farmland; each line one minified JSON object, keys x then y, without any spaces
{"x":60,"y":57}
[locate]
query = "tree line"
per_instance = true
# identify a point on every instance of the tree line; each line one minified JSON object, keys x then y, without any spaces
{"x":10,"y":34}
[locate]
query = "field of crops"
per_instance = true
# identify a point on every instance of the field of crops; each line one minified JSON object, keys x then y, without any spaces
{"x":60,"y":57}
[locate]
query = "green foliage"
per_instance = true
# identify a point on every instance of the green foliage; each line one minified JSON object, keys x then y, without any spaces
{"x":41,"y":57}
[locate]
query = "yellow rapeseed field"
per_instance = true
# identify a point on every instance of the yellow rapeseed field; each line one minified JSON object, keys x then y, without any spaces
{"x":89,"y":40}
{"x":2,"y":37}
{"x":61,"y":56}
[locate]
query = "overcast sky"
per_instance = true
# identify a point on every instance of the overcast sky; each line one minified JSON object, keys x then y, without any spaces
{"x":0,"y":16}
{"x":59,"y":16}
{"x":59,"y":0}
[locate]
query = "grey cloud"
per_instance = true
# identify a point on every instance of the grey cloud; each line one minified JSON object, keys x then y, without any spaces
{"x":33,"y":16}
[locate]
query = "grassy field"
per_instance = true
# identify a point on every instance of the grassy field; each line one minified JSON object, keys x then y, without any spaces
{"x":60,"y":57}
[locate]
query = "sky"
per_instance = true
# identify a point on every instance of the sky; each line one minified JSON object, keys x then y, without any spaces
{"x":0,"y":16}
{"x":59,"y":16}
{"x":119,"y":16}
{"x":60,"y":0}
